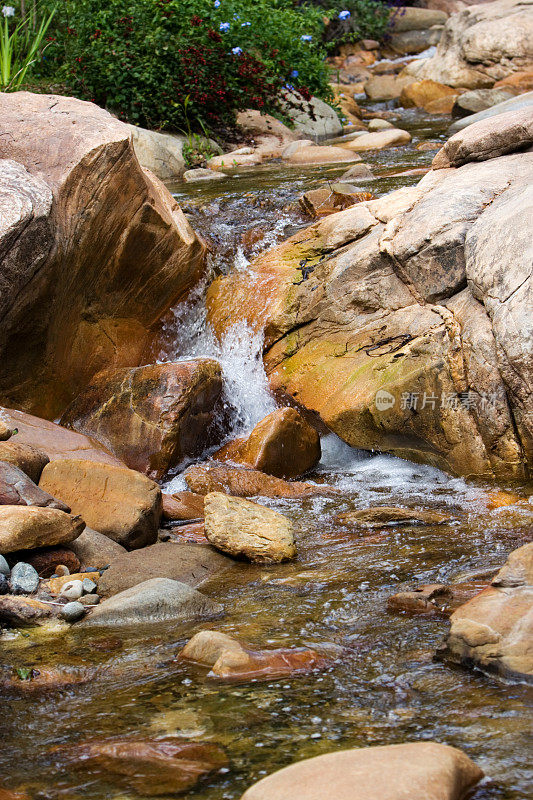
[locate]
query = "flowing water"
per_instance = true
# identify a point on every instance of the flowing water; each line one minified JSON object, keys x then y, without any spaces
{"x":385,"y":687}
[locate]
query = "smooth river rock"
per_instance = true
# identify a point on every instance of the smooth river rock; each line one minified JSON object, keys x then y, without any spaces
{"x":240,"y":482}
{"x":27,"y":527}
{"x":17,"y":489}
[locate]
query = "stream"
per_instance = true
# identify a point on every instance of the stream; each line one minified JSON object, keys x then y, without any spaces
{"x":386,"y":687}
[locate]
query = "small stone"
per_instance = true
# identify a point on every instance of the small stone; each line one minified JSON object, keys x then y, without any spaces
{"x":4,"y":584}
{"x":62,"y":570}
{"x":72,"y":590}
{"x":24,"y":578}
{"x":4,"y":567}
{"x":73,"y":611}
{"x":90,"y":600}
{"x":88,"y":586}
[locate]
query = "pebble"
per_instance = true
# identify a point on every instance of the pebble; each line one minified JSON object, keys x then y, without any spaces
{"x":89,"y":586}
{"x":24,"y":578}
{"x":90,"y":599}
{"x":62,"y":570}
{"x":4,"y":584}
{"x":72,"y":590}
{"x":73,"y":611}
{"x":4,"y":567}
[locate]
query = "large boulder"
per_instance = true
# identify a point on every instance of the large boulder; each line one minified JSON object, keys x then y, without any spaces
{"x":386,"y":87}
{"x":407,"y":18}
{"x":523,"y":101}
{"x":94,"y":249}
{"x":494,"y":630}
{"x":480,"y":45}
{"x":479,"y":100}
{"x":28,"y":527}
{"x":392,"y":772}
{"x":118,"y":502}
{"x":404,"y":322}
{"x":19,"y":490}
{"x":282,"y":444}
{"x":151,"y":417}
{"x":312,"y":117}
{"x":420,"y":94}
{"x":269,"y":136}
{"x":161,"y":153}
{"x":248,"y":530}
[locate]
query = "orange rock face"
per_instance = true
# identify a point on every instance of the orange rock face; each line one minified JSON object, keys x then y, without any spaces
{"x":203,"y":479}
{"x":421,"y":93}
{"x":183,"y":505}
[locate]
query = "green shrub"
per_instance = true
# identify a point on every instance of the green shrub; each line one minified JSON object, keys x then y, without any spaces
{"x":368,"y":19}
{"x":171,"y":63}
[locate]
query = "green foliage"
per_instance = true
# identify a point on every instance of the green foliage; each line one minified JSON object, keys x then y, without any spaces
{"x":369,"y":19}
{"x":22,"y":42}
{"x":180,"y":63}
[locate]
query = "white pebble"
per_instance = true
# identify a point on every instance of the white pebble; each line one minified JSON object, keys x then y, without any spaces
{"x":72,"y":590}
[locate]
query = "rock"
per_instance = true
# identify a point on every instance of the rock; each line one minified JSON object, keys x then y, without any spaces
{"x":380,"y":140}
{"x":412,"y":42}
{"x":481,"y":45}
{"x":199,"y":174}
{"x":46,"y":560}
{"x":517,"y":82}
{"x":88,"y":586}
{"x":523,"y":101}
{"x":150,"y":767}
{"x":161,"y":153}
{"x":4,"y":584}
{"x":295,"y":146}
{"x":421,"y":93}
{"x":21,"y":456}
{"x":82,"y":309}
{"x":358,"y":171}
{"x":27,"y":527}
{"x":315,"y":154}
{"x":153,"y":601}
{"x":269,"y":136}
{"x":4,"y":567}
{"x":425,"y":600}
{"x":5,"y":431}
{"x":24,"y":611}
{"x":283,"y":444}
{"x":232,"y":662}
{"x":493,"y":630}
{"x":407,"y":18}
{"x":150,"y":417}
{"x":444,"y":105}
{"x":58,"y":583}
{"x":381,"y":516}
{"x":243,"y":529}
{"x":72,"y":590}
{"x":72,"y":612}
{"x":120,"y":503}
{"x":90,"y":599}
{"x":427,"y":769}
{"x":232,"y":161}
{"x":188,"y":564}
{"x":478,"y":100}
{"x":182,"y":506}
{"x":189,"y":534}
{"x":249,"y":483}
{"x":16,"y":488}
{"x":23,"y":579}
{"x":312,"y":117}
{"x":331,"y":198}
{"x":379,"y":125}
{"x":386,"y":87}
{"x":94,"y":549}
{"x":486,"y":139}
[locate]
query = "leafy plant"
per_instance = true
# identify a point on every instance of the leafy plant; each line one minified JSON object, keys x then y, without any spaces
{"x":21,"y":45}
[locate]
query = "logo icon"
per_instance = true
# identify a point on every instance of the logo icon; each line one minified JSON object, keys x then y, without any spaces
{"x":384,"y":400}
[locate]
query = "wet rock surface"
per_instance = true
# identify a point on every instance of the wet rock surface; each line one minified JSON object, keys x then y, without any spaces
{"x":28,"y":527}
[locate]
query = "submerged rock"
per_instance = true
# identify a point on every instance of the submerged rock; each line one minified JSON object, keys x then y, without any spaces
{"x":249,"y":483}
{"x":248,"y":530}
{"x":391,"y":772}
{"x":382,"y":516}
{"x":120,"y":503}
{"x":150,"y":417}
{"x":27,"y":527}
{"x":153,"y":601}
{"x":17,"y":489}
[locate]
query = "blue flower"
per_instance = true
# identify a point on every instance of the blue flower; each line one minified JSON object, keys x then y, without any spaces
{"x":306,"y":38}
{"x":237,"y":51}
{"x":217,"y":3}
{"x":344,"y":15}
{"x":294,"y":73}
{"x":289,"y":87}
{"x":245,"y":24}
{"x":224,"y":27}
{"x":236,"y":16}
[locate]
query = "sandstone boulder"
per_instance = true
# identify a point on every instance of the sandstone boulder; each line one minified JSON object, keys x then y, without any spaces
{"x":24,"y":457}
{"x":151,"y":417}
{"x":161,"y":153}
{"x":518,"y":82}
{"x":99,"y":245}
{"x":391,"y":772}
{"x":5,"y":430}
{"x":27,"y":527}
{"x":19,"y":490}
{"x":243,"y":529}
{"x":408,"y":18}
{"x":183,"y":506}
{"x":480,"y":45}
{"x":153,"y":601}
{"x":283,"y":444}
{"x":269,"y":136}
{"x":386,"y":87}
{"x":204,"y":479}
{"x":118,"y":502}
{"x":494,"y":630}
{"x":523,"y":101}
{"x":20,"y":612}
{"x":315,"y":154}
{"x":94,"y":550}
{"x":379,"y":140}
{"x":420,"y":93}
{"x":416,"y":41}
{"x":313,"y":117}
{"x":44,"y":560}
{"x":331,"y":198}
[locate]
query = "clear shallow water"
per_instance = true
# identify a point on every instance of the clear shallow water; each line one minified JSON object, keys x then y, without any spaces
{"x":385,"y":687}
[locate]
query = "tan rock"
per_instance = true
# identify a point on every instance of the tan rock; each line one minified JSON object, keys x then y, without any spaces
{"x":204,"y":479}
{"x":444,"y":105}
{"x":518,"y":82}
{"x":420,"y":93}
{"x":24,"y":457}
{"x":118,"y":502}
{"x":248,"y":530}
{"x":182,"y":506}
{"x":56,"y":584}
{"x":317,"y":154}
{"x":5,"y":431}
{"x":78,"y":182}
{"x":379,"y":140}
{"x":330,"y":199}
{"x":377,"y":124}
{"x":94,"y":550}
{"x":381,"y":516}
{"x":269,"y":136}
{"x":386,"y":87}
{"x":19,"y":611}
{"x":408,"y":18}
{"x":391,"y":772}
{"x":27,"y":527}
{"x":416,"y":41}
{"x":232,"y":161}
{"x":283,"y":444}
{"x":150,"y":417}
{"x":477,"y":100}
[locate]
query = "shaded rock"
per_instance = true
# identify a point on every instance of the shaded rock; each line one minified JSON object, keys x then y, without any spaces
{"x":148,"y":766}
{"x":269,"y":136}
{"x":283,"y":444}
{"x":16,"y":488}
{"x":83,"y":308}
{"x":386,"y":87}
{"x":153,"y":601}
{"x":311,"y":117}
{"x":408,"y":18}
{"x":426,"y":600}
{"x":331,"y":198}
{"x":24,"y":457}
{"x":487,"y":139}
{"x":27,"y":527}
{"x":23,"y":579}
{"x":200,"y":174}
{"x":315,"y":154}
{"x":243,"y":529}
{"x":94,"y":549}
{"x":232,"y":662}
{"x":422,"y":93}
{"x":4,"y":566}
{"x":494,"y":630}
{"x":120,"y":503}
{"x":387,"y":515}
{"x":72,"y":612}
{"x":24,"y":611}
{"x":391,"y":772}
{"x":415,"y":41}
{"x":523,"y":101}
{"x":478,"y":100}
{"x":188,"y":564}
{"x":380,"y":140}
{"x":45,"y":559}
{"x":182,"y":506}
{"x":360,"y":171}
{"x":161,"y":153}
{"x":482,"y":44}
{"x":151,"y":417}
{"x":377,"y":124}
{"x":249,"y":483}
{"x":4,"y":584}
{"x":5,"y":431}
